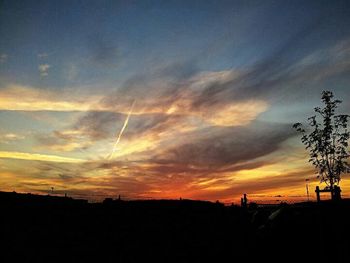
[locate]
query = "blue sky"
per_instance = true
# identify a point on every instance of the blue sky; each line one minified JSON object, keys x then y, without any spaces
{"x":111,"y":41}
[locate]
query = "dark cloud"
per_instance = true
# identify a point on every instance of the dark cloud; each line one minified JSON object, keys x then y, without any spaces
{"x":65,"y":176}
{"x":227,"y":146}
{"x":91,"y":127}
{"x":149,"y":123}
{"x":59,"y":141}
{"x":66,"y":172}
{"x":53,"y":140}
{"x":207,"y":154}
{"x":279,"y":86}
{"x":98,"y":125}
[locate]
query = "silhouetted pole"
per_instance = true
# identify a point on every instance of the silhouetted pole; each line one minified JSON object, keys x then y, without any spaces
{"x":307,"y":190}
{"x":336,"y":196}
{"x":244,"y":201}
{"x":318,"y":194}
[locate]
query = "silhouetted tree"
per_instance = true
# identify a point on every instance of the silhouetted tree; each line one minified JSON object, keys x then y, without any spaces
{"x":327,"y":141}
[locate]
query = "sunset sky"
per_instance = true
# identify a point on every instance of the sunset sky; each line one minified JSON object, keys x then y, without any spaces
{"x":166,"y":99}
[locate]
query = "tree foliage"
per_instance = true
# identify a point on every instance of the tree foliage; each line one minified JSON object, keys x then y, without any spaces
{"x":327,"y":140}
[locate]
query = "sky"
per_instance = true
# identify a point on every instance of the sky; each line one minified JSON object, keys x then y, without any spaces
{"x":166,"y":99}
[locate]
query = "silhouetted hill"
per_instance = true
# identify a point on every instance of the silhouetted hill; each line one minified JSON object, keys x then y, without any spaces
{"x":46,"y":228}
{"x":12,"y":198}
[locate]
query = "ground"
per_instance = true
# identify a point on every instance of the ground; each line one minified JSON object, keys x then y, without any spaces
{"x":43,"y":228}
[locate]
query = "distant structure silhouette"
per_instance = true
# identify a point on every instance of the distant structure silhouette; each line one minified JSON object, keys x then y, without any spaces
{"x":335,"y":193}
{"x":244,"y":201}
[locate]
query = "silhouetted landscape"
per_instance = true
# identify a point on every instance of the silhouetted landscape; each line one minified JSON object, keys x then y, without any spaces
{"x":45,"y":228}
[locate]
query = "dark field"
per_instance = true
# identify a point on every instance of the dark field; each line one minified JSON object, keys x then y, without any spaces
{"x":56,"y":229}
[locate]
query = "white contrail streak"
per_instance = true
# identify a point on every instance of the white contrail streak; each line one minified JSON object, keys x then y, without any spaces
{"x":121,"y":131}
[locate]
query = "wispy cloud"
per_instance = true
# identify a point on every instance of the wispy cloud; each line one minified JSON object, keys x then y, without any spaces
{"x":10,"y":137}
{"x":3,"y":58}
{"x":43,"y":55}
{"x":44,"y":69}
{"x":26,"y":98}
{"x":63,"y":141}
{"x":38,"y":157}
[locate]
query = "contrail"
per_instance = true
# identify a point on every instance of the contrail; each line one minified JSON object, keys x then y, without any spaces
{"x":121,"y":131}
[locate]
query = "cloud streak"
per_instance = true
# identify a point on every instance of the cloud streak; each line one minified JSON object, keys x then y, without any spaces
{"x":16,"y":97}
{"x":38,"y":157}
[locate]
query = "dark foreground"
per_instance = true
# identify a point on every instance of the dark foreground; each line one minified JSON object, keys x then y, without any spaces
{"x":42,"y":228}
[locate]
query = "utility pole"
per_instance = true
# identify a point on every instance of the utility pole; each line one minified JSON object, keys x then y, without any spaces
{"x":307,"y":190}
